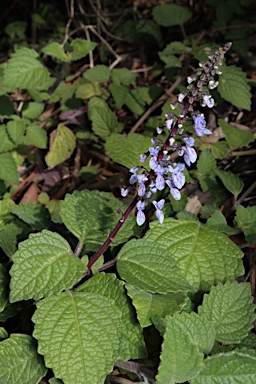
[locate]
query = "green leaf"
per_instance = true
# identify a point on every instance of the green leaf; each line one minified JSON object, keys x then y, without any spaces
{"x":91,"y":215}
{"x":233,"y":87}
{"x":78,"y":334}
{"x":123,"y":76}
{"x":119,"y":93}
{"x":228,"y":368}
{"x":98,"y":74}
{"x":15,"y":130}
{"x":6,"y":206}
{"x":236,"y":138}
{"x":220,"y":150}
{"x":43,"y":265}
{"x":246,"y":220}
{"x":171,"y":14}
{"x":3,"y":334}
{"x":8,"y":168}
{"x":32,"y":110}
{"x":205,"y":256}
{"x":126,"y":150}
{"x":107,"y":285}
{"x":219,"y":222}
{"x":149,"y":305}
{"x":88,"y":90}
{"x":231,"y":181}
{"x":24,"y":70}
{"x":6,"y":144}
{"x":12,"y":310}
{"x":4,"y":282}
{"x":63,"y":143}
{"x":81,"y":48}
{"x":147,"y":266}
{"x":181,"y":359}
{"x":171,"y":61}
{"x":37,"y":136}
{"x":55,"y":50}
{"x":230,"y":308}
{"x":6,"y":106}
{"x":104,"y":120}
{"x":55,"y":381}
{"x":8,"y":236}
{"x":175,"y":48}
{"x":206,"y":162}
{"x":20,"y":361}
{"x":33,"y":214}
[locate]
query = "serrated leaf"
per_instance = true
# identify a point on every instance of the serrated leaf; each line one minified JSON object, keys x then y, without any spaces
{"x":43,"y":265}
{"x":6,"y":144}
{"x":99,"y":73}
{"x":126,"y":150}
{"x":62,"y":145}
{"x":81,"y":48}
{"x":6,"y":206}
{"x":8,"y":236}
{"x":35,"y":215}
{"x":56,"y":50}
{"x":230,"y":308}
{"x":171,"y":14}
{"x":4,"y":282}
{"x":181,"y":359}
{"x":24,"y":70}
{"x":8,"y":168}
{"x":206,"y":162}
{"x":15,"y":130}
{"x":91,"y":215}
{"x":20,"y":361}
{"x":205,"y":256}
{"x":88,"y":90}
{"x":72,"y":337}
{"x":233,"y":87}
{"x":228,"y":368}
{"x":134,"y":102}
{"x":147,"y":266}
{"x":119,"y":93}
{"x":36,"y":135}
{"x":32,"y":110}
{"x":132,"y":342}
{"x":123,"y":76}
{"x":148,"y":305}
{"x":218,"y":221}
{"x":220,"y":150}
{"x":104,"y":120}
{"x":230,"y":181}
{"x":246,"y":220}
{"x":236,"y":138}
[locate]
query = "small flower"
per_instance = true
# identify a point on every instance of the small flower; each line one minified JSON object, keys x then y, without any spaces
{"x":178,"y":178}
{"x":143,"y":158}
{"x":134,"y":171}
{"x":173,"y":191}
{"x":140,"y":218}
{"x":124,"y":192}
{"x":190,"y":155}
{"x":169,"y":123}
{"x":159,"y":214}
{"x":159,"y":130}
{"x":200,"y":126}
{"x":208,"y":100}
{"x":141,"y":180}
{"x":153,"y":151}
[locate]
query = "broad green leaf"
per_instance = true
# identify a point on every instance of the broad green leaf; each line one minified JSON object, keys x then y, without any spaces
{"x":4,"y":283}
{"x":175,"y":48}
{"x":24,"y":70}
{"x":56,"y":50}
{"x":12,"y":310}
{"x":36,"y":135}
{"x":206,"y":162}
{"x":107,"y":285}
{"x":35,"y":215}
{"x":104,"y":120}
{"x":205,"y":256}
{"x":228,"y":368}
{"x":8,"y":168}
{"x":181,"y":359}
{"x":88,"y":90}
{"x":233,"y":87}
{"x":170,"y":61}
{"x":123,"y":76}
{"x":231,"y":181}
{"x":6,"y":144}
{"x":62,"y":145}
{"x":91,"y":215}
{"x":98,"y":74}
{"x":171,"y":14}
{"x":8,"y":236}
{"x":119,"y":93}
{"x":219,"y":222}
{"x":149,"y":267}
{"x":135,"y":102}
{"x":43,"y":265}
{"x":236,"y":138}
{"x":220,"y":150}
{"x":246,"y":220}
{"x":126,"y":150}
{"x":230,"y":308}
{"x":148,"y":305}
{"x":6,"y":206}
{"x":3,"y":334}
{"x":78,"y":334}
{"x":19,"y":361}
{"x":6,"y":106}
{"x":32,"y":110}
{"x":55,"y":381}
{"x":16,"y":130}
{"x":81,"y":48}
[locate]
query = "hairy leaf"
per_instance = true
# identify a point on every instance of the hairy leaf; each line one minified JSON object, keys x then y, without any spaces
{"x":231,"y":181}
{"x":15,"y":130}
{"x":236,"y":138}
{"x":62,"y":145}
{"x":35,"y":215}
{"x":8,"y":168}
{"x":99,"y":73}
{"x":32,"y":110}
{"x":37,"y":136}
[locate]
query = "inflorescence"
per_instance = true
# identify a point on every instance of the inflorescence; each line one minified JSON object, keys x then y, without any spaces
{"x":163,"y":171}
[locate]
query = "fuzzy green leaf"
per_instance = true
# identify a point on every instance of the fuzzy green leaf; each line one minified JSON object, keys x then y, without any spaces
{"x":228,"y":368}
{"x":55,"y":50}
{"x":205,"y":256}
{"x":206,"y":162}
{"x":148,"y":305}
{"x":181,"y":359}
{"x":6,"y":144}
{"x":19,"y":361}
{"x":230,"y":308}
{"x":43,"y":265}
{"x":81,"y":48}
{"x":149,"y":267}
{"x":107,"y":285}
{"x":62,"y":146}
{"x":4,"y":282}
{"x":98,"y":74}
{"x":15,"y":130}
{"x":37,"y":136}
{"x":219,"y":222}
{"x":234,"y":88}
{"x":91,"y":215}
{"x":231,"y":181}
{"x":246,"y":220}
{"x":8,"y":168}
{"x":236,"y":138}
{"x":3,"y":334}
{"x":79,"y":336}
{"x":24,"y":70}
{"x":168,"y":15}
{"x":220,"y":150}
{"x":123,"y":76}
{"x":119,"y":93}
{"x":126,"y":150}
{"x":32,"y":110}
{"x":36,"y":215}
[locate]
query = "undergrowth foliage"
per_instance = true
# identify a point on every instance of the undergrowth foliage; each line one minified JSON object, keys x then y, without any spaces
{"x":140,"y":280}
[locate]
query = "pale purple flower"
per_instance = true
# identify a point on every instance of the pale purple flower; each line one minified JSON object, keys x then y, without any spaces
{"x":143,"y":158}
{"x":134,"y":171}
{"x":140,"y":218}
{"x":178,"y":178}
{"x":169,"y":123}
{"x":208,"y":100}
{"x":124,"y":192}
{"x":159,"y":206}
{"x":160,"y":182}
{"x":141,"y":189}
{"x":153,"y":151}
{"x":173,"y":191}
{"x":190,"y":155}
{"x":153,"y":163}
{"x":200,"y":126}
